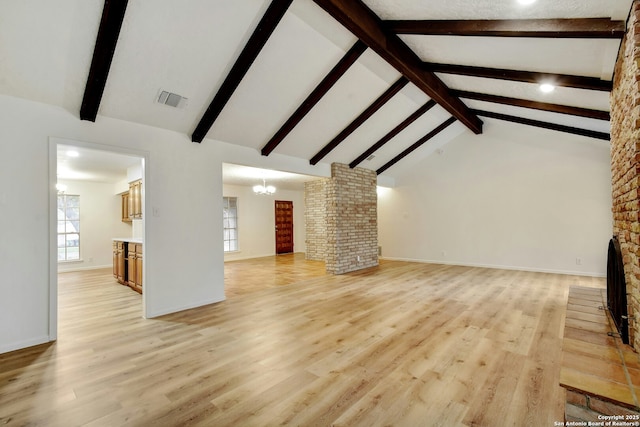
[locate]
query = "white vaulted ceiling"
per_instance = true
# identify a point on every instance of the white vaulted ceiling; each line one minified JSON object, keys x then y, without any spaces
{"x":189,"y":48}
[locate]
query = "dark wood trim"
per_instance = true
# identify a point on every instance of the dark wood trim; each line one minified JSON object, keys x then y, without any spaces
{"x":416,"y":144}
{"x":382,"y":99}
{"x":545,"y":125}
{"x":580,"y":82}
{"x":543,"y":106}
{"x":323,"y":87}
{"x":365,"y":24}
{"x":106,"y":41}
{"x":393,"y":132}
{"x":258,"y":39}
{"x":586,"y":28}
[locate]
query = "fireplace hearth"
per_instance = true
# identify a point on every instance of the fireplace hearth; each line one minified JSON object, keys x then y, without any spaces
{"x":617,"y":289}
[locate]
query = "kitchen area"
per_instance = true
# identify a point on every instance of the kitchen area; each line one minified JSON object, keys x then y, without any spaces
{"x":127,"y":251}
{"x":110,"y":189}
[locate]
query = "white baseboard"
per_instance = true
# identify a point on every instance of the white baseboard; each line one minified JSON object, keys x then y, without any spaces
{"x":24,"y":344}
{"x":93,"y":267}
{"x":176,"y":309}
{"x":499,"y":267}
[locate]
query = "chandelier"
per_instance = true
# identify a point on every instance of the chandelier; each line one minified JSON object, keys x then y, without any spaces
{"x":264,"y":188}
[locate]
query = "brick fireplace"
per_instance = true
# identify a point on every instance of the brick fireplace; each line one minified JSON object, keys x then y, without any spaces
{"x":625,"y":165}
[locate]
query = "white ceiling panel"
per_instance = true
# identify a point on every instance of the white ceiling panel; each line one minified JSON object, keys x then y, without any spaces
{"x":178,"y":49}
{"x":351,"y":95}
{"x":498,"y":9}
{"x":283,"y":75}
{"x":385,"y":119}
{"x":46,"y":49}
{"x":562,"y":56}
{"x":593,"y":99}
{"x":545,"y":116}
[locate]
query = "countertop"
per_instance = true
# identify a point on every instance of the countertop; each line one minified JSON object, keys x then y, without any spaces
{"x":128,"y":239}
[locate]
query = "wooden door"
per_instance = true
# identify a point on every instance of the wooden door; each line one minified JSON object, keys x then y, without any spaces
{"x":284,"y":227}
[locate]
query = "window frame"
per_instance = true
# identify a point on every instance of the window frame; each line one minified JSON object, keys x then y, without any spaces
{"x":68,"y":222}
{"x":230,"y":232}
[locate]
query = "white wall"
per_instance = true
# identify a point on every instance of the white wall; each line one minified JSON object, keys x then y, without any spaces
{"x":100,"y":221}
{"x":256,"y":221}
{"x":513,"y":197}
{"x":183,"y":260}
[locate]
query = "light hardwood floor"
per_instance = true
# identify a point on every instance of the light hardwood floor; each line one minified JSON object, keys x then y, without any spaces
{"x":401,"y":344}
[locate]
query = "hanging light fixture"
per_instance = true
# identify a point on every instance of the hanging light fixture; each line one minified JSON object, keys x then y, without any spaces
{"x":264,"y":188}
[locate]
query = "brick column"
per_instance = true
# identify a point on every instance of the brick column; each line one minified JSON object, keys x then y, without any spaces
{"x":341,"y":216}
{"x":625,"y":164}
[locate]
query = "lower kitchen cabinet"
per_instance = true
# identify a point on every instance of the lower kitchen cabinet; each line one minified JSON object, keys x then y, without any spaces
{"x":127,"y":264}
{"x":134,"y":274}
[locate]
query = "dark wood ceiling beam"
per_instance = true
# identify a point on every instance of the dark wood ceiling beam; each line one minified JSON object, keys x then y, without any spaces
{"x":545,"y":125}
{"x":393,"y":132}
{"x":589,"y":28}
{"x":416,"y":144}
{"x":323,"y":87}
{"x":363,"y":117}
{"x":258,"y":39}
{"x":367,"y":26}
{"x":106,"y":41}
{"x":579,"y":82}
{"x":543,"y":106}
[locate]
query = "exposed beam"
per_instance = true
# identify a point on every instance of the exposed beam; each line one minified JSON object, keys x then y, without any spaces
{"x":589,"y":28}
{"x":543,"y":106}
{"x":393,"y":132}
{"x":565,"y":80}
{"x":545,"y":125}
{"x":323,"y":87}
{"x":106,"y":41}
{"x":361,"y":21}
{"x":355,"y":124}
{"x":416,"y":144}
{"x":258,"y":39}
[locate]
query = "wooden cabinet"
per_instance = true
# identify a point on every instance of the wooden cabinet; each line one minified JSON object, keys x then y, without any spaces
{"x":132,"y":202}
{"x":135,"y":199}
{"x":134,"y":263}
{"x":125,"y":207}
{"x":127,"y":264}
{"x":119,"y":261}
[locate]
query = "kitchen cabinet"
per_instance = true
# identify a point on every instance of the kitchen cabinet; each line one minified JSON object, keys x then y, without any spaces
{"x":134,"y":263}
{"x":127,"y":263}
{"x":119,"y":261}
{"x":135,"y":199}
{"x":125,"y":207}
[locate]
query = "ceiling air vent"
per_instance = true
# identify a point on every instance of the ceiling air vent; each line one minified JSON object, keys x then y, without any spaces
{"x":171,"y":99}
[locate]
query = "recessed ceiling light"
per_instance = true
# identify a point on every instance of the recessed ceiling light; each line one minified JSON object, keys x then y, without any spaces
{"x":73,"y":153}
{"x":526,"y":1}
{"x":547,"y":87}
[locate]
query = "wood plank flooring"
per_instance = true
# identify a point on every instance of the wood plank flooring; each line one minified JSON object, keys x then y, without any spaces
{"x":402,"y":344}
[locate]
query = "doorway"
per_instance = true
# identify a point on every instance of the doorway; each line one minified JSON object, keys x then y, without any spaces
{"x":284,"y":226}
{"x":92,"y":177}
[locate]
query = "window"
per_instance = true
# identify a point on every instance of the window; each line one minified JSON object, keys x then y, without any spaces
{"x":230,"y":223}
{"x":68,"y":227}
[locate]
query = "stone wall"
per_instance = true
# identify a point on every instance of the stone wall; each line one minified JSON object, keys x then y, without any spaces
{"x":625,"y":164}
{"x":315,"y":218}
{"x":341,"y":216}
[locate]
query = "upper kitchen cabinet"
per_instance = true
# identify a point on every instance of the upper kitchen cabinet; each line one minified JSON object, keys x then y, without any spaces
{"x":135,"y":199}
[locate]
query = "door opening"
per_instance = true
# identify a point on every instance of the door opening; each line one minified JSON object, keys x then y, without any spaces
{"x":89,"y":171}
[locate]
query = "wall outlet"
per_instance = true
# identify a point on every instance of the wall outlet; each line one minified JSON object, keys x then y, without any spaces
{"x":444,"y":253}
{"x":358,"y":258}
{"x":578,"y":261}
